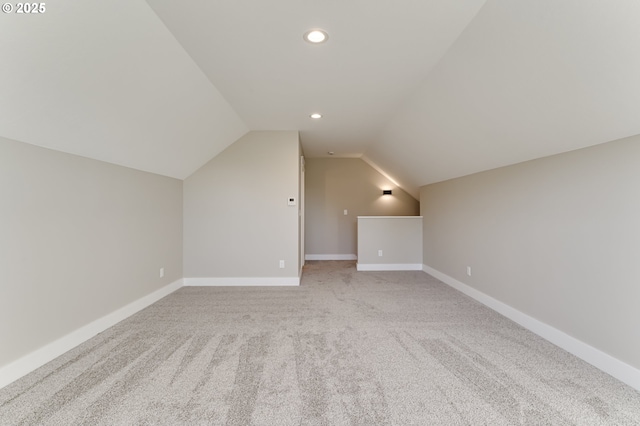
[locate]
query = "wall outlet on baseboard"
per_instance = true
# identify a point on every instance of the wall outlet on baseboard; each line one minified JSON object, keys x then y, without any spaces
{"x":161,"y":272}
{"x":469,"y":270}
{"x":380,"y":253}
{"x":281,"y":264}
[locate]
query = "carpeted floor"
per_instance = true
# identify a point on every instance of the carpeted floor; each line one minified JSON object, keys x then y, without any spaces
{"x":345,"y":348}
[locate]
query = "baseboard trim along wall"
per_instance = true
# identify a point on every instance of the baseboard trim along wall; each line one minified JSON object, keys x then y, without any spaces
{"x":605,"y":362}
{"x":28,"y":363}
{"x":241,"y":281}
{"x":330,"y":257}
{"x":389,"y":267}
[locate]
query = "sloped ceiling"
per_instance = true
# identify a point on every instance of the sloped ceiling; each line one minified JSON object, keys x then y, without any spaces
{"x":424,"y":90}
{"x":106,"y":80}
{"x":526,"y":79}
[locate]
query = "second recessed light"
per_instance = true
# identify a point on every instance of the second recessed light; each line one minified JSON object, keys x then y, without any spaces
{"x":316,"y":36}
{"x":316,"y":116}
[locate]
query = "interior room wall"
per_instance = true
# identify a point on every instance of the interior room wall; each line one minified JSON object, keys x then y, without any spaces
{"x":556,"y":238}
{"x":237,"y":221}
{"x":333,"y":185}
{"x":79,"y":239}
{"x":389,"y":243}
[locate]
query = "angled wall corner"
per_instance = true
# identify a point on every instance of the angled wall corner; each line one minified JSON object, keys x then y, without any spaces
{"x":238,"y":221}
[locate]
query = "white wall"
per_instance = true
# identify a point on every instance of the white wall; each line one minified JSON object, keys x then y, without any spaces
{"x":335,"y":184}
{"x":79,"y":239}
{"x":389,"y":243}
{"x":237,"y":223}
{"x":556,"y":238}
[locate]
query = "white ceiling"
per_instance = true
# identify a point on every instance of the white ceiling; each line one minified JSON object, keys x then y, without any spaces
{"x":426,"y":90}
{"x":377,"y":53}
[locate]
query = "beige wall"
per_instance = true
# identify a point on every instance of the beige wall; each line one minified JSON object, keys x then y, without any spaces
{"x":556,"y":238}
{"x":236,"y":219}
{"x":335,"y":184}
{"x":388,"y":243}
{"x":79,"y":239}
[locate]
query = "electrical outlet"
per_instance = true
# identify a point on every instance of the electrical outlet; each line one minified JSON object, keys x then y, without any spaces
{"x":469,"y":270}
{"x":161,"y":272}
{"x":380,"y":253}
{"x":346,"y":212}
{"x":281,"y":264}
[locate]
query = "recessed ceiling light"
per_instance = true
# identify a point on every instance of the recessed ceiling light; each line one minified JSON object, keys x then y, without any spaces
{"x":315,"y":115}
{"x":316,"y":36}
{"x":330,"y":152}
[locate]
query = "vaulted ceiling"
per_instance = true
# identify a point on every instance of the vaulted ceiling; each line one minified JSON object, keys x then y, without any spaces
{"x":426,"y":90}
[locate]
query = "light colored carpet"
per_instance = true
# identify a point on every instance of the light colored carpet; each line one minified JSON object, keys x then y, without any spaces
{"x":345,"y":348}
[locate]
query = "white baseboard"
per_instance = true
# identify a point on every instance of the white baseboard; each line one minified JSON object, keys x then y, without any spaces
{"x":241,"y":281}
{"x":28,"y":363}
{"x":330,"y":257}
{"x":389,"y":267}
{"x":605,"y":362}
